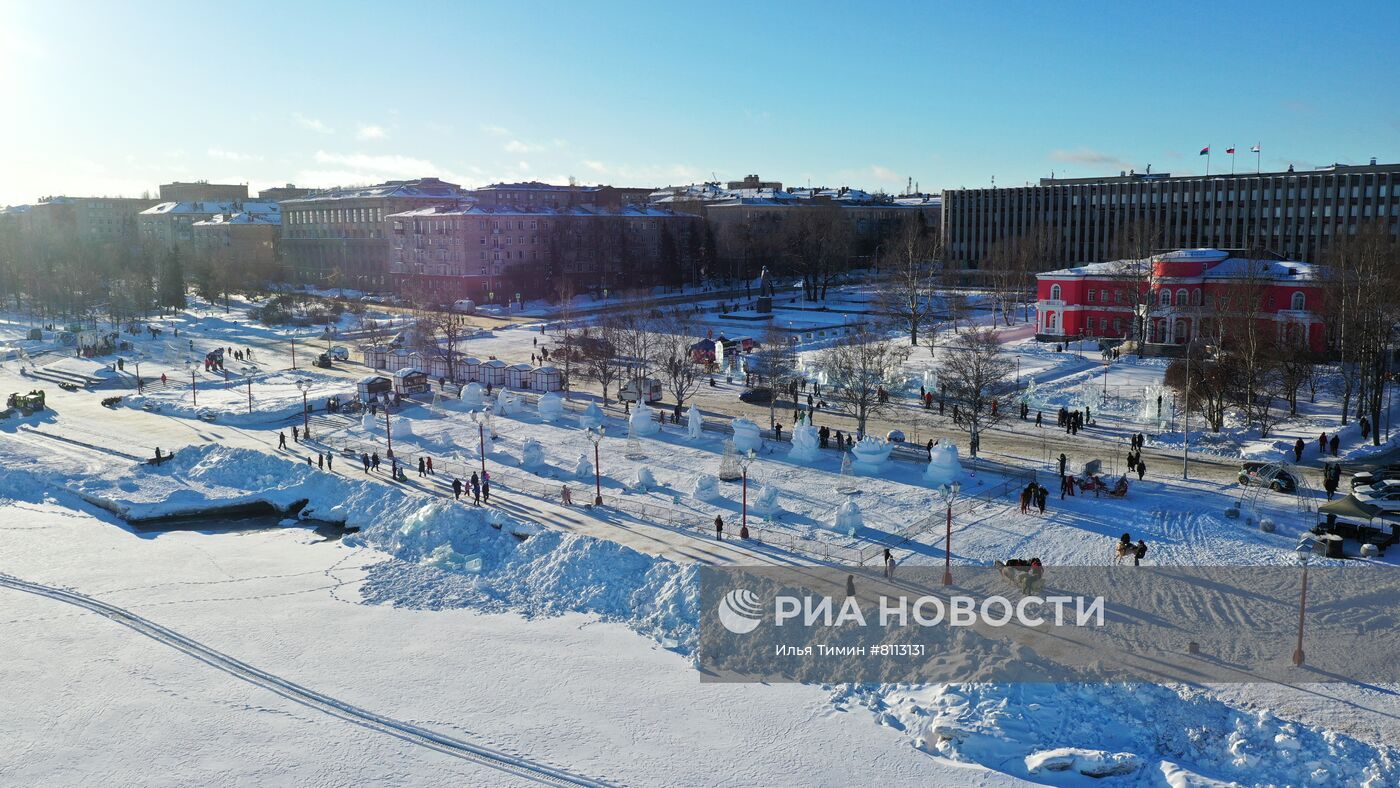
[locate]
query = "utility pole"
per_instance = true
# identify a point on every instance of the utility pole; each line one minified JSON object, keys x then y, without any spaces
{"x":1186,"y":420}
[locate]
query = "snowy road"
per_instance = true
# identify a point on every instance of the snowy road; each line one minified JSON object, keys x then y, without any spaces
{"x":513,"y":765}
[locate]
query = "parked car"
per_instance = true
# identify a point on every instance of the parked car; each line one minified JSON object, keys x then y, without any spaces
{"x":1380,"y":488}
{"x":1387,"y":501}
{"x":1269,"y":474}
{"x":339,"y":353}
{"x":1364,"y":478}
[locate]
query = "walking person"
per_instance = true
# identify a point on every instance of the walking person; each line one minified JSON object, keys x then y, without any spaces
{"x":430,"y":467}
{"x":422,"y":467}
{"x":476,"y":488}
{"x":889,"y":563}
{"x":486,"y":489}
{"x":321,"y":460}
{"x":1322,"y":444}
{"x":1141,"y":469}
{"x":281,"y":439}
{"x":364,"y":458}
{"x":719,"y":528}
{"x":296,"y":435}
{"x":330,"y":461}
{"x":1334,"y":443}
{"x":1298,"y":450}
{"x":1026,"y":497}
{"x":456,"y":489}
{"x":1139,"y":552}
{"x":1041,"y":495}
{"x":374,"y":461}
{"x":1063,"y":461}
{"x":566,"y":497}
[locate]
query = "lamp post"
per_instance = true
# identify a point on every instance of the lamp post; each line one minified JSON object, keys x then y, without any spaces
{"x":1304,"y":552}
{"x":304,"y":386}
{"x":744,"y":462}
{"x":194,"y":390}
{"x":481,"y":418}
{"x":948,"y":492}
{"x":248,"y":373}
{"x":596,"y":435}
{"x":137,"y":358}
{"x":294,"y":351}
{"x":1107,"y":359}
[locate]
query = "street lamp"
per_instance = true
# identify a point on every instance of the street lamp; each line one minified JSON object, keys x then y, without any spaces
{"x":744,"y":462}
{"x":293,"y":340}
{"x":248,"y":371}
{"x":136,"y":359}
{"x":482,"y":418}
{"x":194,"y":390}
{"x":948,"y":492}
{"x":1304,"y":552}
{"x":595,"y":434}
{"x":304,"y":386}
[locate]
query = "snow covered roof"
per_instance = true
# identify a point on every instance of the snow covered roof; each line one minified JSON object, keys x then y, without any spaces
{"x":241,"y":218}
{"x":538,"y":186}
{"x":1218,"y":265}
{"x":209,"y":207}
{"x":368,"y":379}
{"x":419,"y":187}
{"x":629,"y":211}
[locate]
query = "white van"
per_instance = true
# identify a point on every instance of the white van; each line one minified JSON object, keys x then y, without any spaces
{"x":465,"y":306}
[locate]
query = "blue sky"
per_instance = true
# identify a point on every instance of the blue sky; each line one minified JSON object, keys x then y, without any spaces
{"x":114,"y":98}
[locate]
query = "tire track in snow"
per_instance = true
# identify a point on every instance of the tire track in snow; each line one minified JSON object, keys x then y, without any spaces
{"x":447,"y":745}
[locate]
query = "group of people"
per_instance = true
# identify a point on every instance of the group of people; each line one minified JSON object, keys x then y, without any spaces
{"x":1324,"y":444}
{"x":1034,"y":495}
{"x":480,"y":488}
{"x":1126,"y":548}
{"x":1135,"y":461}
{"x":1072,"y":420}
{"x":1331,"y":478}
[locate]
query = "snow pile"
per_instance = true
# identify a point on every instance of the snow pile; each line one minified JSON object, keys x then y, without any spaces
{"x":765,"y":502}
{"x":531,"y":454}
{"x":1066,"y":733}
{"x":472,"y":397}
{"x":644,"y":480}
{"x":401,"y":428}
{"x":848,"y":518}
{"x":367,"y":423}
{"x":506,"y":403}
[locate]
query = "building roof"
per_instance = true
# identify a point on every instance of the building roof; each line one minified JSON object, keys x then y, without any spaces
{"x":1219,"y":265}
{"x":423,"y":188}
{"x":473,"y":210}
{"x":539,"y":186}
{"x":206,"y":207}
{"x":241,"y":218}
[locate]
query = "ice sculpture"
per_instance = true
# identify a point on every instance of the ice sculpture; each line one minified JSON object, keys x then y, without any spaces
{"x":642,"y":422}
{"x":871,"y":454}
{"x":591,"y":417}
{"x":943,"y":466}
{"x":805,"y":442}
{"x":746,"y":438}
{"x":550,"y":407}
{"x":848,"y":518}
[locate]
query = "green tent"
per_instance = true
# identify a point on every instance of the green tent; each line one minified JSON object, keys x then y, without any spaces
{"x":1349,"y":507}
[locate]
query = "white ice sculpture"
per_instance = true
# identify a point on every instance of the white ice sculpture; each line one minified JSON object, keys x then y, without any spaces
{"x":930,"y":380}
{"x":642,"y":422}
{"x":871,"y":454}
{"x":846,"y":483}
{"x":583,"y":469}
{"x":943,"y":466}
{"x":765,"y":501}
{"x":848,"y":518}
{"x":1031,"y":396}
{"x":505,"y":403}
{"x":695,"y":423}
{"x":592,"y":416}
{"x":705,"y":488}
{"x":550,"y":407}
{"x":531,"y":454}
{"x":401,"y":428}
{"x":729,"y":469}
{"x":644,"y":480}
{"x":472,"y":397}
{"x":368,"y":422}
{"x":746,"y":438}
{"x":805,"y":442}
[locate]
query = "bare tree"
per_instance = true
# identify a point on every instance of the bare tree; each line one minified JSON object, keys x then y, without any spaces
{"x":675,"y":362}
{"x":909,"y":291}
{"x":977,"y":374}
{"x":1362,"y":295}
{"x":817,"y":242}
{"x":1134,"y":243}
{"x":598,"y":353}
{"x":774,"y":363}
{"x":957,"y":305}
{"x":859,"y":369}
{"x":566,"y":332}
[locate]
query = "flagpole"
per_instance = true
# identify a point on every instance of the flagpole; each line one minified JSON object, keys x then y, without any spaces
{"x":1207,"y":162}
{"x":1232,"y":159}
{"x":1257,"y":147}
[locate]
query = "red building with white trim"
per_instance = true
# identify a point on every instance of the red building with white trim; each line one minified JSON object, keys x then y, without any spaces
{"x":1183,"y":296}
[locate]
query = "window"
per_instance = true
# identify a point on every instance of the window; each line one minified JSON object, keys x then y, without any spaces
{"x":1103,"y":296}
{"x":1181,"y":297}
{"x":1299,"y":301}
{"x":1103,"y":325}
{"x":1054,"y":292}
{"x":1091,"y":296}
{"x":1165,"y":297}
{"x":1196,"y":297}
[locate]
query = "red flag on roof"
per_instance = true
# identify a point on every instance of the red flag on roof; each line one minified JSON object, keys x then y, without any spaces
{"x":1230,"y":151}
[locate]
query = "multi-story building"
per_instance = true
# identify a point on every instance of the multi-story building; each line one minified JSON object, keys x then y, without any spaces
{"x":280,"y":193}
{"x":1183,"y":296}
{"x":203,"y":191}
{"x":337,"y":236}
{"x":246,"y":240}
{"x":493,"y":253}
{"x":101,"y":220}
{"x":1295,"y":214}
{"x":534,"y":194}
{"x":171,"y":224}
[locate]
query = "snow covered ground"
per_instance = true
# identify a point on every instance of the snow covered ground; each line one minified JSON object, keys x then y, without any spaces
{"x":564,"y":637}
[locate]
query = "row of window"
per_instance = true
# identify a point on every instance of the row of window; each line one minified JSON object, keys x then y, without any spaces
{"x":1182,"y":297}
{"x":324,"y":215}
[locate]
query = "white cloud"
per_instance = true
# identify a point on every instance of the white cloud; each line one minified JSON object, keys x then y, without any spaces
{"x":495,"y":131}
{"x":883,"y":173}
{"x":228,"y":155}
{"x":312,"y":124}
{"x":1091,"y":157}
{"x":596,"y":166}
{"x":372,"y":132}
{"x":516,"y":146}
{"x":389,"y":164}
{"x":524,"y":166}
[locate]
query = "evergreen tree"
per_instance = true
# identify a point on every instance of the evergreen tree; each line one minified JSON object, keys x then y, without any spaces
{"x":171,"y":292}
